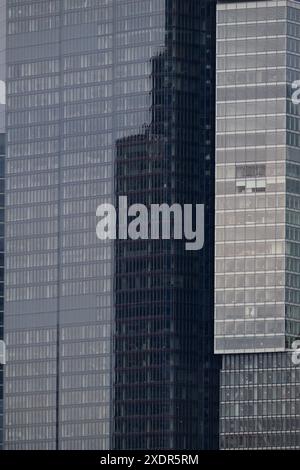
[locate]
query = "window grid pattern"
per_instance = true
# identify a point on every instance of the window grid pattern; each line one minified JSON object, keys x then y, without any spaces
{"x":2,"y":201}
{"x":259,"y":401}
{"x":165,"y":375}
{"x":80,"y":86}
{"x":251,"y":178}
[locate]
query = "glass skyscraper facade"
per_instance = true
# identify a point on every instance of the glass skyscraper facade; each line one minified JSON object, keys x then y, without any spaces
{"x":109,"y":345}
{"x":257,"y":310}
{"x":260,"y":402}
{"x":2,"y":186}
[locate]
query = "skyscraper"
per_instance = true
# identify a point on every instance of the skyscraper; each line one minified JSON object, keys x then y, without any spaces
{"x":257,"y":304}
{"x":110,"y":345}
{"x":2,"y":171}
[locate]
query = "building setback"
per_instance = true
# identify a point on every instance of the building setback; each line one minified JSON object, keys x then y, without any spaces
{"x":110,"y":345}
{"x":257,"y":266}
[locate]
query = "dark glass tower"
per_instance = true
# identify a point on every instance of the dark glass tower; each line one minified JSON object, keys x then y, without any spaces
{"x":110,"y":344}
{"x":2,"y":161}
